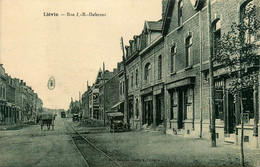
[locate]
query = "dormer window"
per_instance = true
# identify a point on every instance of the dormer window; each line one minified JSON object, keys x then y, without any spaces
{"x":180,"y":14}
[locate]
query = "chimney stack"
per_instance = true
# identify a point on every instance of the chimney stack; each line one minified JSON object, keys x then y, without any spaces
{"x":164,"y":5}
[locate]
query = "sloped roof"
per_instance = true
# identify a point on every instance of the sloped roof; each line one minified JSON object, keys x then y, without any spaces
{"x":154,"y":25}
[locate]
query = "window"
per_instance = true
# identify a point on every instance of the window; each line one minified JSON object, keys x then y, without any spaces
{"x":136,"y":109}
{"x":188,"y":51}
{"x":216,"y":34}
{"x":3,"y":91}
{"x":132,"y":80}
{"x":173,"y":53}
{"x":180,"y":19}
{"x":136,"y":77}
{"x":219,"y":99}
{"x":172,"y":106}
{"x":247,"y":20}
{"x":160,"y":67}
{"x":123,"y":87}
{"x":147,"y":72}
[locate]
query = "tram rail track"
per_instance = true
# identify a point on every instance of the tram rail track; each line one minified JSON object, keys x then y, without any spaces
{"x":90,"y":152}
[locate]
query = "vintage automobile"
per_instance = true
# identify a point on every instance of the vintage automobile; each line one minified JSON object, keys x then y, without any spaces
{"x":75,"y":117}
{"x":116,"y":122}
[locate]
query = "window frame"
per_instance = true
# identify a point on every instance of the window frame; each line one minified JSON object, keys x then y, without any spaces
{"x":188,"y":49}
{"x":173,"y":58}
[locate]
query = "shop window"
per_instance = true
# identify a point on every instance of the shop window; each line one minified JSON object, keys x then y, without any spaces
{"x":248,"y":102}
{"x":136,"y":109}
{"x":173,"y":55}
{"x":188,"y":51}
{"x":160,"y":67}
{"x":173,"y":114}
{"x":219,"y":99}
{"x":180,"y":13}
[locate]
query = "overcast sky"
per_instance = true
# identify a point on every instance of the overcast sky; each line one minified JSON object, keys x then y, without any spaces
{"x":71,"y":49}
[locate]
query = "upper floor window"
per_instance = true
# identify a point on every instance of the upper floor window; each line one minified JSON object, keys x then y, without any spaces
{"x":136,"y":77}
{"x":160,"y":67}
{"x":121,"y":88}
{"x":248,"y":21}
{"x":132,"y":80}
{"x":173,"y":53}
{"x":147,"y":72}
{"x":188,"y":51}
{"x":3,"y":91}
{"x":180,"y":14}
{"x":216,"y":33}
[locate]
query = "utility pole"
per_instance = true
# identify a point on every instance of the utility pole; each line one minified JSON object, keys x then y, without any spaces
{"x":126,"y":108}
{"x":104,"y":95}
{"x":211,"y":79}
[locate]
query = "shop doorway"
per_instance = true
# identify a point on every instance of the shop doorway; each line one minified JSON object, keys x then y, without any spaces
{"x":159,"y":109}
{"x":231,"y":115}
{"x":148,"y":112}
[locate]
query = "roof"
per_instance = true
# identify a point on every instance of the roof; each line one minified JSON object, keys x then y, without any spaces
{"x":117,"y":104}
{"x":154,"y":25}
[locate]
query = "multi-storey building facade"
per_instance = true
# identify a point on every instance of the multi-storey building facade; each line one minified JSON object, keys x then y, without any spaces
{"x":19,"y":102}
{"x":94,"y":97}
{"x":186,"y":47}
{"x":144,"y":62}
{"x":85,"y":103}
{"x":108,"y":92}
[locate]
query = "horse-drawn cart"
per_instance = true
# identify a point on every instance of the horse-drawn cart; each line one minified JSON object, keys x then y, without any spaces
{"x":48,"y":120}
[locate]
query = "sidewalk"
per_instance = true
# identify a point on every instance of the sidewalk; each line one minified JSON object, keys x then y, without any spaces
{"x":140,"y":148}
{"x":16,"y":126}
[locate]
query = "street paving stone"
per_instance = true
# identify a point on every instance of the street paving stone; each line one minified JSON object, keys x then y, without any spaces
{"x":31,"y":147}
{"x":139,"y":148}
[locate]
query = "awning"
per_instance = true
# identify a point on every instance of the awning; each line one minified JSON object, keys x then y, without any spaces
{"x":183,"y":82}
{"x":117,"y":104}
{"x":115,"y":114}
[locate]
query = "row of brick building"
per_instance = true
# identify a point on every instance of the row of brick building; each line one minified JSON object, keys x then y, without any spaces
{"x":167,"y":68}
{"x":18,"y":101}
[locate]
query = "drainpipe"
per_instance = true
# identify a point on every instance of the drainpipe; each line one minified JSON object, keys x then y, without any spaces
{"x":200,"y":33}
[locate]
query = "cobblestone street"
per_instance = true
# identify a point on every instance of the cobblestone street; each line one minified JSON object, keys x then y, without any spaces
{"x":140,"y":148}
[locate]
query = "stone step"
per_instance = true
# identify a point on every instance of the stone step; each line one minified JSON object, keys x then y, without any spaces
{"x":229,"y":140}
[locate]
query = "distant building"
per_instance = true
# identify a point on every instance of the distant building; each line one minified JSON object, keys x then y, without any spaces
{"x":94,"y":97}
{"x":85,"y":103}
{"x":111,"y":93}
{"x":18,"y":102}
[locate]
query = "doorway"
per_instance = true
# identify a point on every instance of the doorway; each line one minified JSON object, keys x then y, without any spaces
{"x":148,"y":112}
{"x":159,"y":109}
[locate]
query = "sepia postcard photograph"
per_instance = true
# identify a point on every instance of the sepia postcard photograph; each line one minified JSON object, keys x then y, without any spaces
{"x":129,"y":83}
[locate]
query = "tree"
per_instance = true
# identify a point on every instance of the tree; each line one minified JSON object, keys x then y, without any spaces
{"x":237,"y":52}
